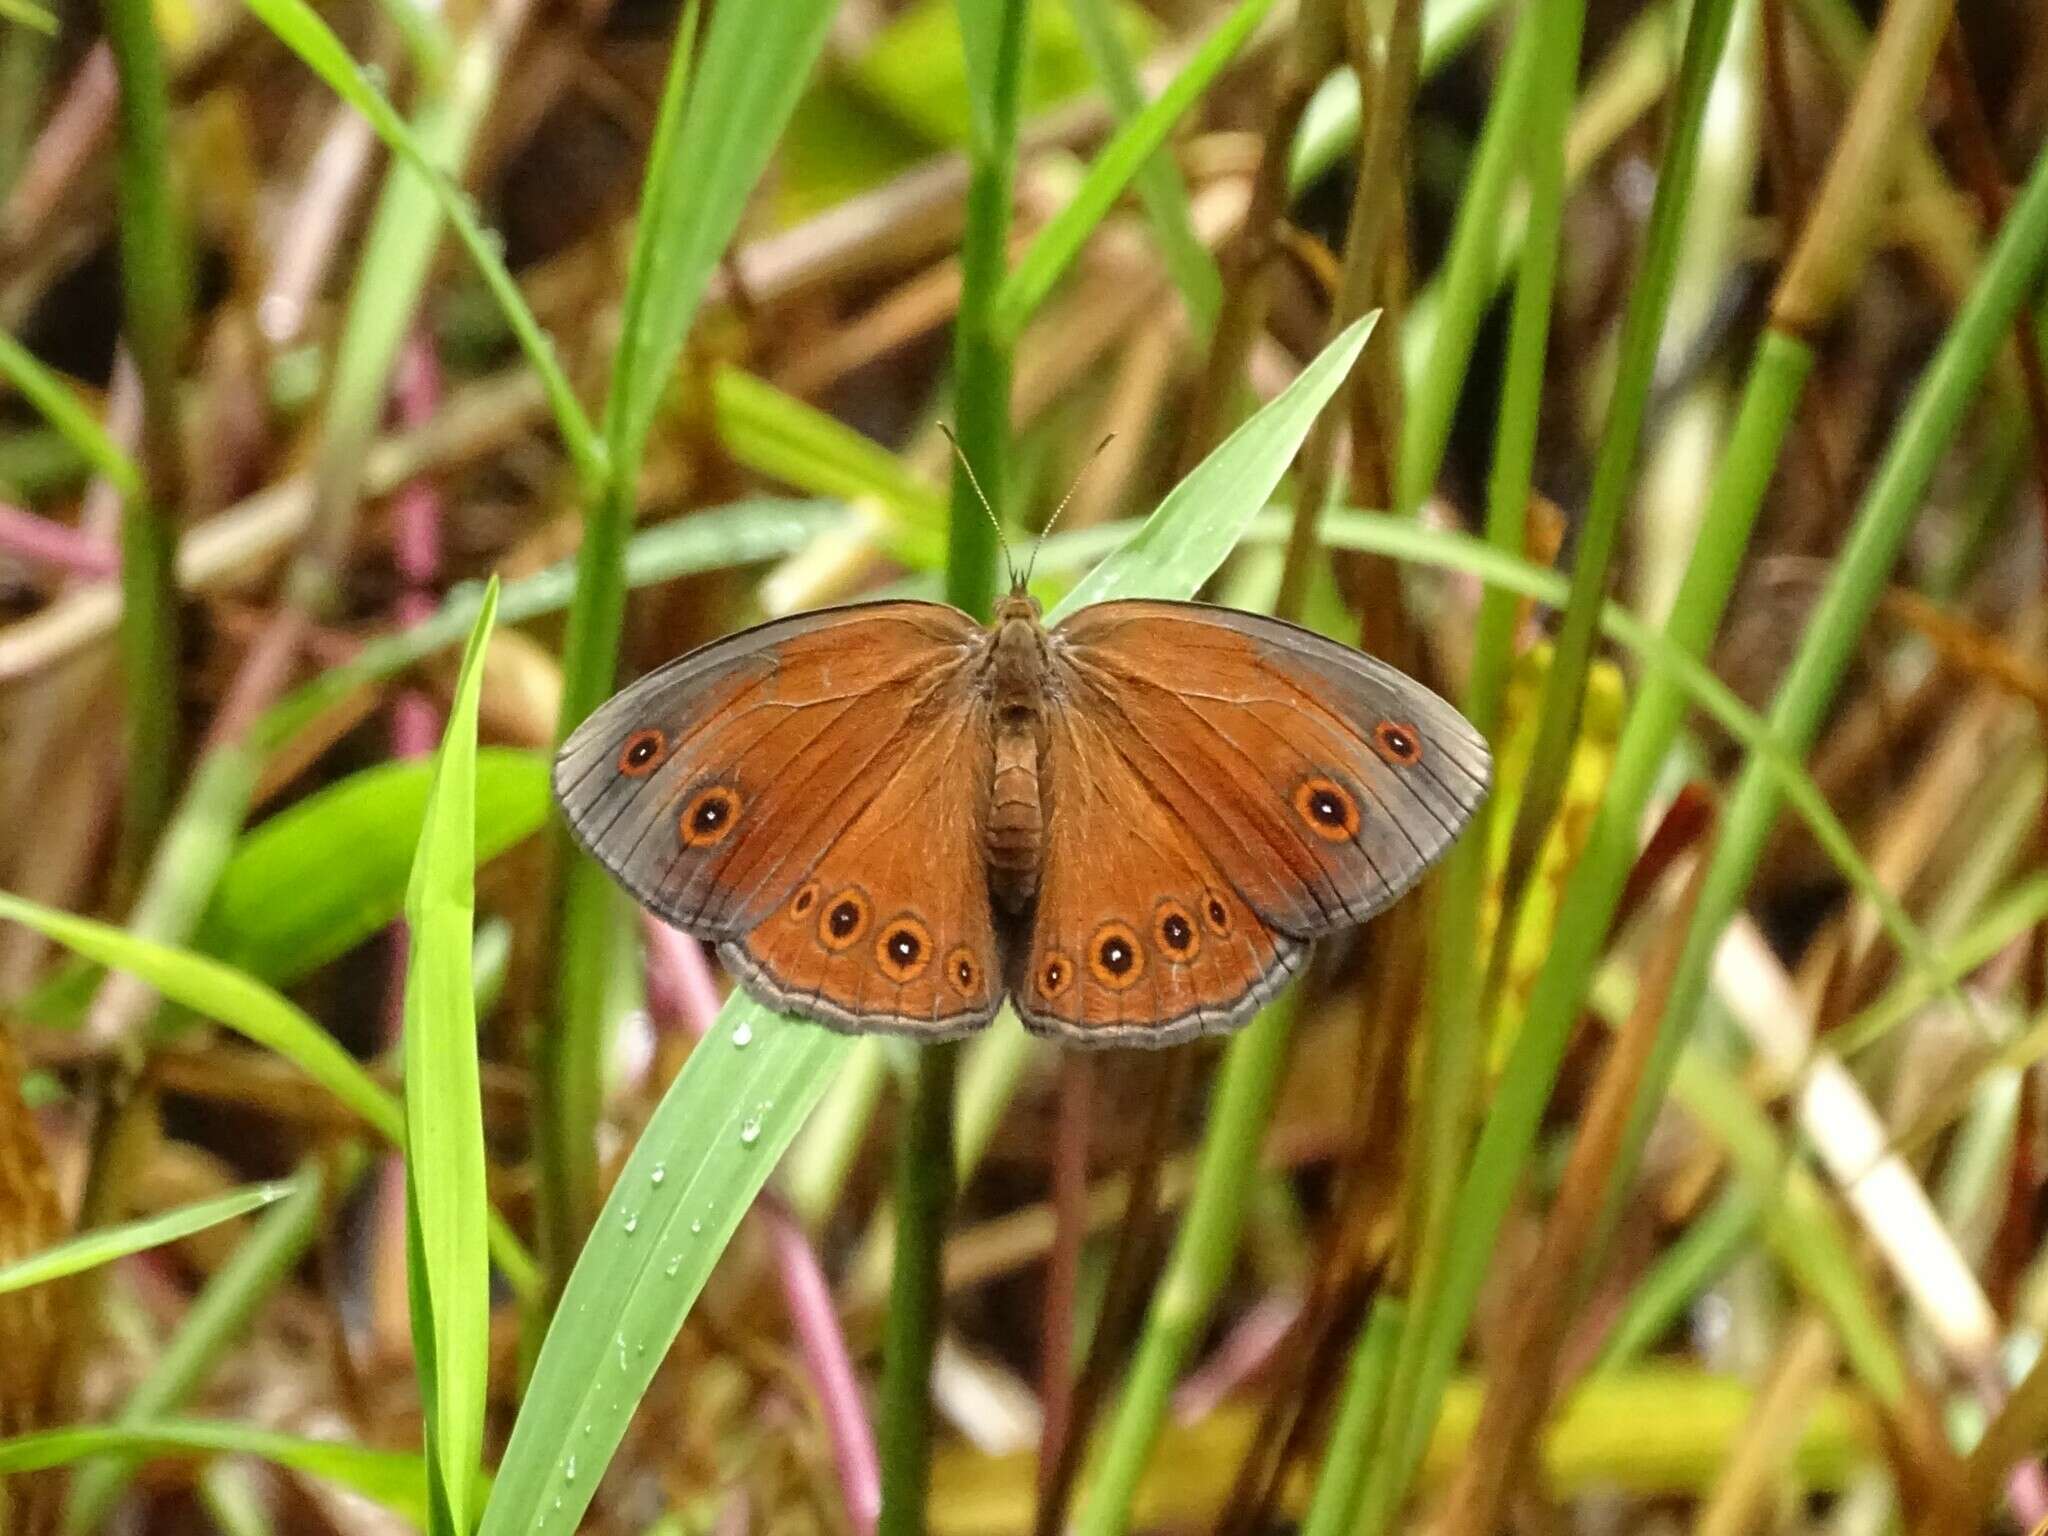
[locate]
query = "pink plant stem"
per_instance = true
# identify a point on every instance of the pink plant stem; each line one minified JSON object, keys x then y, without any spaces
{"x":311,"y":227}
{"x":36,"y":540}
{"x":1245,"y":1350}
{"x":415,"y":511}
{"x":75,"y":133}
{"x":680,"y":989}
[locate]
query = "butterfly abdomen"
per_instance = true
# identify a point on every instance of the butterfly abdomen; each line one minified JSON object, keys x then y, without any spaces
{"x":1015,"y":833}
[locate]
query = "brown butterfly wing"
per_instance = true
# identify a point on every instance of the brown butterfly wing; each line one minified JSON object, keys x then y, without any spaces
{"x":808,"y":795}
{"x":1305,"y":784}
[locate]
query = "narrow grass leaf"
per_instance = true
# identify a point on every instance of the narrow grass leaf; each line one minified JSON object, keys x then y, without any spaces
{"x":394,"y":1480}
{"x":61,"y":407}
{"x":444,"y":1132}
{"x":704,"y":1155}
{"x":89,"y":1250}
{"x":222,"y":993}
{"x":716,"y":538}
{"x":1056,"y":245}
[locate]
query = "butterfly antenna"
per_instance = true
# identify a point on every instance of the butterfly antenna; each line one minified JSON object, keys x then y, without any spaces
{"x":1044,"y":532}
{"x":982,"y":496}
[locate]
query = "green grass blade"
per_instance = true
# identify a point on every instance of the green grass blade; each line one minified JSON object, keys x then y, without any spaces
{"x":58,"y":404}
{"x":89,"y":1250}
{"x":444,"y":1132}
{"x":709,"y":1146}
{"x":1056,"y":245}
{"x":300,"y":29}
{"x":217,"y":1321}
{"x":395,"y":1480}
{"x":741,"y":533}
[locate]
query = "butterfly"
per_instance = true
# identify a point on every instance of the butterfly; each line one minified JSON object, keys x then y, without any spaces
{"x":887,"y":816}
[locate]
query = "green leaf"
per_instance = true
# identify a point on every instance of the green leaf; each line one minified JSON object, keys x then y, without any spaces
{"x":711,"y":1144}
{"x":89,"y":1250}
{"x":394,"y":1479}
{"x":316,"y":880}
{"x":448,"y":1223}
{"x":1056,"y":245}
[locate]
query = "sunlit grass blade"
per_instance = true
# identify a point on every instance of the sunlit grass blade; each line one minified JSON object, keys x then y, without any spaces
{"x":89,"y":1250}
{"x":444,"y":1133}
{"x":704,"y":1155}
{"x":1056,"y":245}
{"x":393,"y":1480}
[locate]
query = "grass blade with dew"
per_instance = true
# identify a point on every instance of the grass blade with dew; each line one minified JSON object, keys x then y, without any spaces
{"x":89,"y":1250}
{"x":447,"y":1209}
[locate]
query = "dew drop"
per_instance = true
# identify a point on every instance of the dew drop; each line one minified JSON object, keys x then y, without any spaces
{"x":750,"y":1130}
{"x":660,"y":1173}
{"x":632,"y":1223}
{"x":569,"y":1470}
{"x":742,"y":1035}
{"x":696,"y":1226}
{"x":674,"y":1264}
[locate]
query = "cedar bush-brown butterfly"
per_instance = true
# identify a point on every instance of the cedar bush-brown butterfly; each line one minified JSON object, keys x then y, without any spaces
{"x":888,"y":815}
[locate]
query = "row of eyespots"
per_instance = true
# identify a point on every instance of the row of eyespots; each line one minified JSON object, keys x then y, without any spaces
{"x":1117,"y":957}
{"x":903,"y":945}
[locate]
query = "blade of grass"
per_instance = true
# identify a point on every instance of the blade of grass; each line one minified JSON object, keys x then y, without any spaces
{"x":58,"y":404}
{"x":447,"y":1208}
{"x":393,"y":1480}
{"x":1134,"y":145}
{"x":300,"y":29}
{"x":103,"y":1245}
{"x":156,"y":312}
{"x":214,"y":1323}
{"x":406,"y":230}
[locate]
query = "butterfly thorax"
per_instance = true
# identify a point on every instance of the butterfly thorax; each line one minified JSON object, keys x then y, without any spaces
{"x":1016,"y":819}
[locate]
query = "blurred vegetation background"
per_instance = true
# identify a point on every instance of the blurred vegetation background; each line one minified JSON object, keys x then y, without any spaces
{"x":1672,"y":1161}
